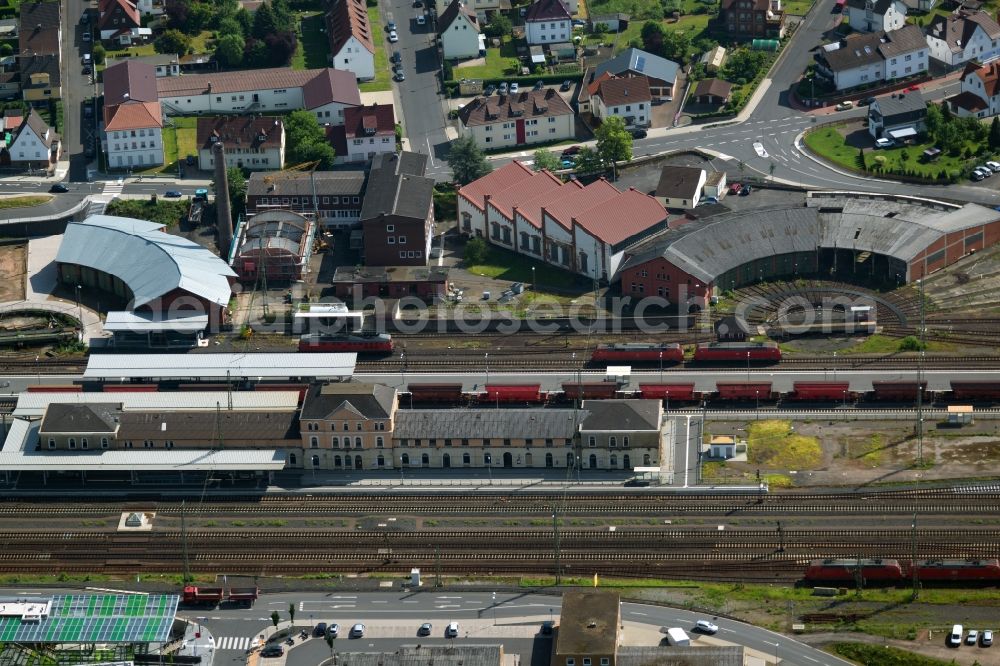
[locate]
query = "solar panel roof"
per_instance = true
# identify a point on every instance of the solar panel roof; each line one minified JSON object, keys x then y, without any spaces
{"x":97,"y":618}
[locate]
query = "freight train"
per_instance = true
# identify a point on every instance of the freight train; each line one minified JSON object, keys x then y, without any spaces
{"x":670,"y":353}
{"x":373,"y":344}
{"x":891,"y":572}
{"x":213,"y":596}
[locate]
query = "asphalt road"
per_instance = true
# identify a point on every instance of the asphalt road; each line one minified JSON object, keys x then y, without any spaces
{"x":392,"y":619}
{"x":76,"y":88}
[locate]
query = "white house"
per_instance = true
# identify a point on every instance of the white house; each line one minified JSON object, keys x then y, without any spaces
{"x":626,"y":97}
{"x":865,"y":58}
{"x":367,"y":131}
{"x":351,"y":43}
{"x":548,"y":22}
{"x":958,"y":38}
{"x":255,"y":143}
{"x":680,"y":186}
{"x":133,"y":117}
{"x":36,"y":144}
{"x":325,"y":92}
{"x":459,"y":31}
{"x":875,"y":15}
{"x":980,"y":96}
{"x":506,"y":121}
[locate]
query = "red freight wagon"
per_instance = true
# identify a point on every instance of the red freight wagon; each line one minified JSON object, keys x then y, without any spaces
{"x":130,"y":388}
{"x":844,"y":571}
{"x":639,"y":352}
{"x":512,"y":393}
{"x":897,"y":391}
{"x":679,"y":392}
{"x":208,"y":596}
{"x":589,"y":390}
{"x":743,"y":390}
{"x":737,"y":351}
{"x":975,"y":391}
{"x":243,"y":595}
{"x":981,"y":571}
{"x":435,"y":392}
{"x":821,"y":391}
{"x":53,"y":388}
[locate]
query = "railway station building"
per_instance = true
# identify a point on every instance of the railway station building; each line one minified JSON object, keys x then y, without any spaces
{"x":886,"y":240}
{"x":346,"y":426}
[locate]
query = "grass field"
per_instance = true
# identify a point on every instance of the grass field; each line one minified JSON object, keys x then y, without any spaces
{"x":179,"y":141}
{"x":313,"y":49}
{"x":775,"y":444}
{"x":882,"y":655}
{"x":383,"y":77}
{"x":505,"y":265}
{"x":163,"y":212}
{"x":24,"y":202}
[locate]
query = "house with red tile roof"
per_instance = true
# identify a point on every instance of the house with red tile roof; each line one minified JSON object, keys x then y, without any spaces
{"x":133,"y":117}
{"x":367,"y":131}
{"x":582,"y":229}
{"x":506,"y":121}
{"x":628,"y":98}
{"x":548,"y":22}
{"x":980,"y":95}
{"x":351,"y":43}
{"x":255,"y":143}
{"x":118,"y":18}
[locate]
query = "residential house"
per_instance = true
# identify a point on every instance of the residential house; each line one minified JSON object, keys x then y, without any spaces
{"x":680,"y":186}
{"x":582,"y":229}
{"x":347,"y":426}
{"x":753,"y":18}
{"x":506,"y":121}
{"x":164,"y":64}
{"x":874,"y":57}
{"x":458,"y":29}
{"x":324,"y":92}
{"x":36,"y":145}
{"x":367,"y":131}
{"x":338,"y":195}
{"x":133,"y":117}
{"x":660,"y":74}
{"x":980,"y":96}
{"x":625,"y":97}
{"x":612,"y":22}
{"x":118,"y":19}
{"x":40,"y":31}
{"x":897,"y":116}
{"x":397,"y":217}
{"x":351,"y":42}
{"x":875,"y":15}
{"x":712,"y":92}
{"x":589,"y":628}
{"x":10,"y":84}
{"x":40,"y":78}
{"x":255,"y":143}
{"x":959,"y":38}
{"x":548,"y":22}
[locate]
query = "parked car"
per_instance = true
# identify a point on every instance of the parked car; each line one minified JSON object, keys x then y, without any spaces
{"x":566,"y":85}
{"x":514,"y":88}
{"x":710,"y":200}
{"x":86,"y":70}
{"x":319,"y":630}
{"x":396,"y":57}
{"x":333,"y":630}
{"x":883,"y":143}
{"x":547,"y":627}
{"x":638,"y":133}
{"x":987,"y":639}
{"x":490,"y":89}
{"x":985,"y":170}
{"x":746,"y":191}
{"x":85,"y":19}
{"x":503,"y":88}
{"x":86,"y":35}
{"x":358,"y":631}
{"x":955,"y":637}
{"x":976,"y":175}
{"x":451,"y":631}
{"x":734,"y":188}
{"x":172,"y":194}
{"x":393,"y":37}
{"x":567,"y":163}
{"x":539,"y":84}
{"x":400,"y":76}
{"x":972,"y":638}
{"x":58,"y":188}
{"x":579,"y":23}
{"x":425,"y":629}
{"x":866,"y":101}
{"x":191,"y":160}
{"x":706,"y":627}
{"x":572,"y":150}
{"x":391,"y":26}
{"x":913,"y":89}
{"x":994,"y":165}
{"x":273,"y":650}
{"x":421,"y":19}
{"x":517,"y":288}
{"x":418,"y":3}
{"x":844,"y":106}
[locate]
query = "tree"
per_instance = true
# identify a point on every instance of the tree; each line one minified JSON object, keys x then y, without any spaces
{"x":281,"y":47}
{"x":467,"y":161}
{"x":6,"y":49}
{"x":499,"y":26}
{"x":475,"y":251}
{"x":588,"y":161}
{"x":743,"y":65}
{"x":653,"y":37}
{"x":255,"y":53}
{"x":934,"y":120}
{"x":229,"y":26}
{"x":264,"y":23}
{"x":282,"y":15}
{"x":291,"y":612}
{"x":995,"y":134}
{"x":676,"y":46}
{"x":614,"y":143}
{"x":546,"y":160}
{"x":173,"y":42}
{"x":198,"y":18}
{"x":177,"y":11}
{"x":315,"y":151}
{"x":229,"y":50}
{"x":305,"y":140}
{"x":329,"y":641}
{"x":99,"y":54}
{"x":275,"y":618}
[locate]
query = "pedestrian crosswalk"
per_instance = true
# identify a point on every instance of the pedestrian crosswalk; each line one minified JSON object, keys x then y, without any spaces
{"x":233,"y":642}
{"x":113,"y":189}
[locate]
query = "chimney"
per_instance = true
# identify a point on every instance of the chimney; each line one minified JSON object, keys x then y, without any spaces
{"x":223,"y":214}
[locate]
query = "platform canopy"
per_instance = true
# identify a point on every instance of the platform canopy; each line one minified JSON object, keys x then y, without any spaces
{"x":219,"y":366}
{"x":95,"y":618}
{"x":148,"y":322}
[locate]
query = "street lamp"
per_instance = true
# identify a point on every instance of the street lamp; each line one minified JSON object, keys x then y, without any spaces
{"x":661,"y":366}
{"x":748,"y":367}
{"x":533,"y":283}
{"x":494,"y":609}
{"x":79,"y":307}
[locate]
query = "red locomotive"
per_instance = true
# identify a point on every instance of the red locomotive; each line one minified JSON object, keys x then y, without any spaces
{"x":362,"y":343}
{"x":639,"y":352}
{"x":982,"y":572}
{"x":846,"y":570}
{"x":959,"y":571}
{"x":714,"y":352}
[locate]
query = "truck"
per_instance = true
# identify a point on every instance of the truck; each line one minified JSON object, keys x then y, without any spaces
{"x":676,"y":636}
{"x":202,"y":596}
{"x":243,"y":595}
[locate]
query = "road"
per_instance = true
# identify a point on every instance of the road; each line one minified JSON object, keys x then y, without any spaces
{"x":76,"y":88}
{"x":392,"y":619}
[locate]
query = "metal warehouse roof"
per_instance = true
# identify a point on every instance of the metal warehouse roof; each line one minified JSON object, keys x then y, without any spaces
{"x":20,"y":454}
{"x":32,"y":405}
{"x":151,"y":262}
{"x":219,"y":366}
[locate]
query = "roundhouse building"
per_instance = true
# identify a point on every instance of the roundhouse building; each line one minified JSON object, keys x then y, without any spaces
{"x":147,"y":269}
{"x":277,"y":243}
{"x":884,"y":239}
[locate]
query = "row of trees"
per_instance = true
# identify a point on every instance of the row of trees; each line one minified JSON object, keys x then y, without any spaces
{"x":267,"y":38}
{"x":614,"y":144}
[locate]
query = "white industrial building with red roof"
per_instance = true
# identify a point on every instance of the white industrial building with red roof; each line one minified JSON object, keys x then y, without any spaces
{"x":582,"y":229}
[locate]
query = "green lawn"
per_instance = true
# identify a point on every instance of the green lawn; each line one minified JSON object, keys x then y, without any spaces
{"x":883,"y":655}
{"x":179,"y":141}
{"x":163,"y":212}
{"x":313,"y":49}
{"x":797,"y":7}
{"x":505,"y":265}
{"x":828,"y":142}
{"x":693,"y":24}
{"x":24,"y":202}
{"x":497,"y":67}
{"x":383,"y":77}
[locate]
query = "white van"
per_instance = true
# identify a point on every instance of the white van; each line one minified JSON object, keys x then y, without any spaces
{"x":955,"y":637}
{"x":87,"y":59}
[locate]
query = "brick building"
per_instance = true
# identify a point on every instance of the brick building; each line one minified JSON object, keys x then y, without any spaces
{"x":338,"y":195}
{"x":397,"y":217}
{"x":752,"y":18}
{"x":424,"y":282}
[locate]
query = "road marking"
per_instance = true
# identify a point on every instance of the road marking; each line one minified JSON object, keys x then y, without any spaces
{"x":232,"y":642}
{"x":637,"y":613}
{"x":430,"y":153}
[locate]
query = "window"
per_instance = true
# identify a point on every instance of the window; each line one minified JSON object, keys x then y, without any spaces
{"x":360,"y":428}
{"x":52,"y":443}
{"x":169,"y":444}
{"x":625,"y":441}
{"x":314,"y":442}
{"x":570,"y":661}
{"x":84,"y":444}
{"x":72,"y":443}
{"x":378,"y":442}
{"x":390,"y":228}
{"x":104,"y":442}
{"x":605,"y":661}
{"x":591,"y":441}
{"x":357,"y":442}
{"x":586,"y":661}
{"x":335,"y":442}
{"x":612,"y":441}
{"x":346,"y":426}
{"x":402,"y":240}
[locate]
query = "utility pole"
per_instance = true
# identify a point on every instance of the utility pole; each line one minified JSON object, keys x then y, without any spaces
{"x":859,"y":580}
{"x":920,"y":383}
{"x":437,"y":566}
{"x":556,"y":555}
{"x":184,"y":542}
{"x":781,"y":538}
{"x":913,"y":557}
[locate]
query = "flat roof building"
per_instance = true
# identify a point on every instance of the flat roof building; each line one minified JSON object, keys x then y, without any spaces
{"x":588,"y":630}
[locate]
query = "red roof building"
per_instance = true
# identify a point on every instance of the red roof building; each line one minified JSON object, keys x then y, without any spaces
{"x":117,"y":20}
{"x":351,"y":43}
{"x":367,"y":131}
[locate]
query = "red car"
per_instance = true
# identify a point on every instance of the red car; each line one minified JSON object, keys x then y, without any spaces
{"x":572,"y":150}
{"x":734,"y":188}
{"x":913,"y":89}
